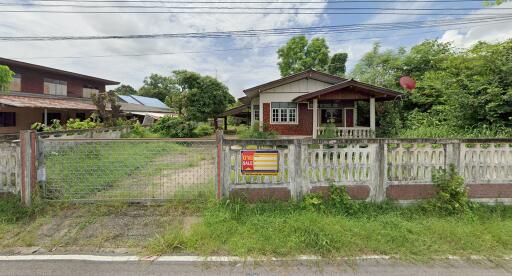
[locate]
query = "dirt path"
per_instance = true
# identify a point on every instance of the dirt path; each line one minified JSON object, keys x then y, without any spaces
{"x":167,"y":176}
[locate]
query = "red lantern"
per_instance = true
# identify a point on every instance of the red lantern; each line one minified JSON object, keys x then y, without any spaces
{"x":407,"y":83}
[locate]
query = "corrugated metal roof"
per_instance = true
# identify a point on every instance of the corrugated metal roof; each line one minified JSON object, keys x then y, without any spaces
{"x":36,"y":102}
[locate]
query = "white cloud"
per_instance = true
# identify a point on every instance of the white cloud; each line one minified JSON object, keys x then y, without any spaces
{"x":490,"y":32}
{"x":238,"y":69}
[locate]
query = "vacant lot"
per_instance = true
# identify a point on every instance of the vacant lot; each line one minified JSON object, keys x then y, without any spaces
{"x":127,"y":170}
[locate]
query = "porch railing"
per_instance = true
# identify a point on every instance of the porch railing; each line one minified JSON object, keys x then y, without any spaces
{"x":350,"y":132}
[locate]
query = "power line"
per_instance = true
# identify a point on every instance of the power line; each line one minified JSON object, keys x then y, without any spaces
{"x":263,"y":2}
{"x":228,"y":49}
{"x":248,"y":8}
{"x":347,"y":28}
{"x":236,"y":12}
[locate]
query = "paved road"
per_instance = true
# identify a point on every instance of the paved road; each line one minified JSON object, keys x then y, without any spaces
{"x":366,"y":267}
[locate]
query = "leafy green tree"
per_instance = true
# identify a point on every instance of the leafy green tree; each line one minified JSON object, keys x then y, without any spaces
{"x":124,"y":89}
{"x":206,"y":97}
{"x":379,"y":68}
{"x":337,"y":64}
{"x":299,"y":54}
{"x":5,"y":77}
{"x":158,"y":86}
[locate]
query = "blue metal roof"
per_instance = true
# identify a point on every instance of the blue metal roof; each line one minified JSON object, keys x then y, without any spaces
{"x":147,"y":101}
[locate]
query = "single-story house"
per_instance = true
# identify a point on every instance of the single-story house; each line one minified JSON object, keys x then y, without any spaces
{"x":40,"y":94}
{"x":304,"y":103}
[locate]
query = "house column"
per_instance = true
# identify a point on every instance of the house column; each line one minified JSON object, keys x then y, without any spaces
{"x":46,"y":116}
{"x":372,"y":114}
{"x":261,"y":114}
{"x":315,"y":118}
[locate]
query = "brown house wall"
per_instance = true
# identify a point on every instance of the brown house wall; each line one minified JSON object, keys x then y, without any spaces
{"x":25,"y":117}
{"x":304,"y":127}
{"x":32,"y":81}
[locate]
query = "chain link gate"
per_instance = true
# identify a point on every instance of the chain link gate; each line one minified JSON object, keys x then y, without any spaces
{"x":135,"y":170}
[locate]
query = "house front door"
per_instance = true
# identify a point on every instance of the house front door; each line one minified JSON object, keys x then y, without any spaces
{"x":349,"y":117}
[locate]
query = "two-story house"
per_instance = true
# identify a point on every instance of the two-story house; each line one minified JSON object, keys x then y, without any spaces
{"x":41,"y":94}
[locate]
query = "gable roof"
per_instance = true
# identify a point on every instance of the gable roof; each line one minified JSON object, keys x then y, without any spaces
{"x":11,"y":62}
{"x":312,"y":74}
{"x":375,"y":91}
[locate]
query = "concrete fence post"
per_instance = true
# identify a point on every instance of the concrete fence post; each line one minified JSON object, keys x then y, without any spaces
{"x":297,"y":177}
{"x":28,"y":165}
{"x":219,"y":175}
{"x":378,"y":189}
{"x":452,"y":156}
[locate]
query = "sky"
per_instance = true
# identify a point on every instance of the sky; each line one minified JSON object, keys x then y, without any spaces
{"x":251,"y":60}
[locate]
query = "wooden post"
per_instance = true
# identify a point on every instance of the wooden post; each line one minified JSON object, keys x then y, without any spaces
{"x":315,"y":118}
{"x":28,"y":165}
{"x":372,"y":114}
{"x":226,"y":123}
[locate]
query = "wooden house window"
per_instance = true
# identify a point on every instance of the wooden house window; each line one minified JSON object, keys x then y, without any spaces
{"x":283,"y":112}
{"x":88,"y":91}
{"x":16,"y":83}
{"x":7,"y":119}
{"x":55,"y":87}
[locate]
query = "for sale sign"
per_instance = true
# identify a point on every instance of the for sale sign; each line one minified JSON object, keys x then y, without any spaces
{"x":260,"y":162}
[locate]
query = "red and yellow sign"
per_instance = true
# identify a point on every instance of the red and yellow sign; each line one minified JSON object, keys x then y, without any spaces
{"x":260,"y":162}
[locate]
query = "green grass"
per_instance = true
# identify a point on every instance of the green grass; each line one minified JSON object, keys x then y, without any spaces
{"x":77,"y":172}
{"x":288,"y":230}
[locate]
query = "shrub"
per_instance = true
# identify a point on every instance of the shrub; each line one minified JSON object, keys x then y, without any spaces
{"x":340,"y":200}
{"x":254,"y":132}
{"x":77,"y":124}
{"x":452,"y":195}
{"x":203,"y":129}
{"x":174,"y":127}
{"x":55,"y":126}
{"x":139,"y":131}
{"x":329,"y":131}
{"x":313,"y":202}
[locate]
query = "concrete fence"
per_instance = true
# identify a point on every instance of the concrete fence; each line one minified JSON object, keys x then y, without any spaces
{"x":10,"y":168}
{"x":370,"y":169}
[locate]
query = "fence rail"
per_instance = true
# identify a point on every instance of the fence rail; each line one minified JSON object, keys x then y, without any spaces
{"x":371,"y":169}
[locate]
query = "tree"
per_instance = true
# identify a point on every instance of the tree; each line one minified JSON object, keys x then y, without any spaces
{"x":158,"y":86}
{"x":124,"y":89}
{"x":298,"y":55}
{"x":103,"y":102}
{"x":337,"y":64}
{"x":204,"y":97}
{"x":5,"y":77}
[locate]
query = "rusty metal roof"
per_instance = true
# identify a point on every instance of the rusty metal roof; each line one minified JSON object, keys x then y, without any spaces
{"x":11,"y":62}
{"x":38,"y":102}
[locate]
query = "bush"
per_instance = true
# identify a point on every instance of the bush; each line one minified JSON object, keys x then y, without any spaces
{"x":55,"y":126}
{"x":174,"y":127}
{"x":254,"y":132}
{"x":139,"y":131}
{"x":77,"y":124}
{"x":338,"y":201}
{"x":203,"y":129}
{"x":452,"y":196}
{"x":329,"y":132}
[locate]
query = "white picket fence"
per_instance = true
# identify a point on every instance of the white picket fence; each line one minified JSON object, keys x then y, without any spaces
{"x":378,"y":163}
